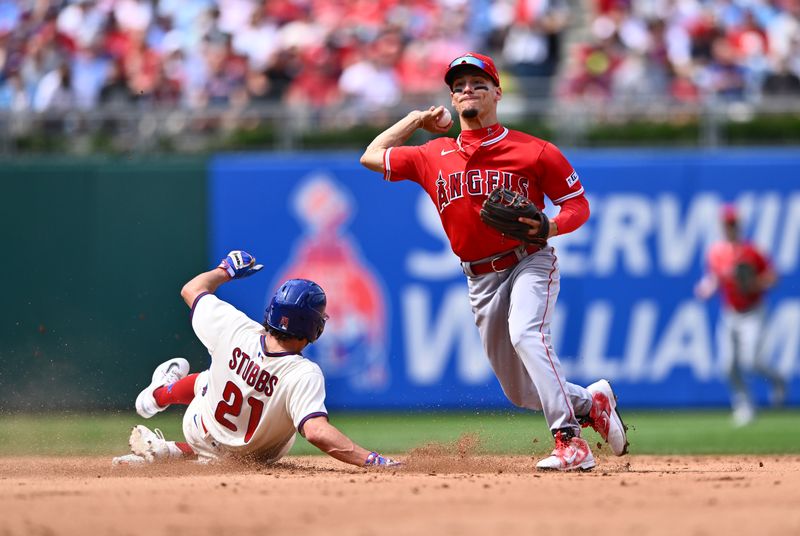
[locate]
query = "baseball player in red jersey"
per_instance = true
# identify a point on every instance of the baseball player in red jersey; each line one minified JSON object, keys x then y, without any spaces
{"x":259,"y":390}
{"x":742,"y":274}
{"x":513,"y":286}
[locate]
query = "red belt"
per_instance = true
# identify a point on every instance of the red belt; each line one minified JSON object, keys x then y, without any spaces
{"x":499,"y":263}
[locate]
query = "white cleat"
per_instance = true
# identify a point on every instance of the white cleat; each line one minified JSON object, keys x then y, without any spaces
{"x":149,"y":444}
{"x":128,"y":460}
{"x":604,"y":417}
{"x":166,"y":373}
{"x":569,"y":455}
{"x":743,"y":415}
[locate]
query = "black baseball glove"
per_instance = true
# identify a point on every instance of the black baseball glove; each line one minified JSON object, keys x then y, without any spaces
{"x":502,"y":210}
{"x":746,"y":277}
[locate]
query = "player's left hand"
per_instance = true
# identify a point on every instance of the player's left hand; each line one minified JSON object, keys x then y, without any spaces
{"x":536,"y":225}
{"x":376,"y":460}
{"x":746,"y":278}
{"x":514,"y":215}
{"x":240,"y":264}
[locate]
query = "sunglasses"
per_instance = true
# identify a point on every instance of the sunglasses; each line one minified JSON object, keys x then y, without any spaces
{"x":471,"y":60}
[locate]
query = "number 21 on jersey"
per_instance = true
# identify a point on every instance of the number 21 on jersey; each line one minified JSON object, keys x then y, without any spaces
{"x":231,"y":404}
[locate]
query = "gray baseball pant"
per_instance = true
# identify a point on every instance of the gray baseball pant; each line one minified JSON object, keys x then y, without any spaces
{"x":513,"y":310}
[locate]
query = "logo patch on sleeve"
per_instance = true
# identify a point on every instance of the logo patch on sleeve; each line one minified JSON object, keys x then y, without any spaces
{"x":572,"y":179}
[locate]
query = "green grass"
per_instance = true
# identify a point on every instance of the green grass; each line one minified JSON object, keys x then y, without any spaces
{"x":677,"y":432}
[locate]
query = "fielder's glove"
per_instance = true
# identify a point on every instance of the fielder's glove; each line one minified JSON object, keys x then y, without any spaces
{"x":374,"y":460}
{"x":502,"y":210}
{"x":746,"y":277}
{"x":240,"y":264}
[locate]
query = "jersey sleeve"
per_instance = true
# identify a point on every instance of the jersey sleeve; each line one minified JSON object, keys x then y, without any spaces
{"x":714,"y":260}
{"x":404,"y":163}
{"x":307,"y":398}
{"x":574,"y":213}
{"x":214,"y":321}
{"x":558,"y":179}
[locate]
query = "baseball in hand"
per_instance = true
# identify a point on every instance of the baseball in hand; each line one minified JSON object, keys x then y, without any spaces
{"x":445,"y":119}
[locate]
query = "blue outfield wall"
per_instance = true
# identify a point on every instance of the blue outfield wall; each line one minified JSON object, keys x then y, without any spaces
{"x":401,"y":333}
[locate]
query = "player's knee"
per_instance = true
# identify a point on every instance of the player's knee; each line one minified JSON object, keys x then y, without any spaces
{"x":734,"y":371}
{"x":515,"y":399}
{"x":520,"y":336}
{"x":522,"y":397}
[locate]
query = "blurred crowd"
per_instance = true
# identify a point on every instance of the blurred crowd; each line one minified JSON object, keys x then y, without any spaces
{"x":365,"y":56}
{"x":686,"y":50}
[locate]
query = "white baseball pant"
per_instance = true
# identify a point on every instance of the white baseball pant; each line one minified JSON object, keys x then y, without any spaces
{"x":739,"y":337}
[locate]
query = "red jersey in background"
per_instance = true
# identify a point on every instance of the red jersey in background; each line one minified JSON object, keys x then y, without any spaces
{"x":723,"y":260}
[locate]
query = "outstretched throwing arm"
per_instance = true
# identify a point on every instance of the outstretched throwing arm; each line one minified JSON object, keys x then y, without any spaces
{"x":399,"y":133}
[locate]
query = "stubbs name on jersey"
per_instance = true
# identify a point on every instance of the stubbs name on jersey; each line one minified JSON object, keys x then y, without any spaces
{"x":251,"y":373}
{"x":477,"y":183}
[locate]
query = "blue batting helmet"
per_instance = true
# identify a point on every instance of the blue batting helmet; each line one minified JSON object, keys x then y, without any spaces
{"x":298,"y":309}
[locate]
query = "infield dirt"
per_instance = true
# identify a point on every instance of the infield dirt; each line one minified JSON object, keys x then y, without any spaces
{"x":434,"y":493}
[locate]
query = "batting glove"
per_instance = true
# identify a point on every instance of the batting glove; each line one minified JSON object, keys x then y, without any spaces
{"x":240,"y":264}
{"x":374,"y":459}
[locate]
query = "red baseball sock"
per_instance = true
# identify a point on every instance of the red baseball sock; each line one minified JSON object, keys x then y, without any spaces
{"x":185,"y":449}
{"x":180,"y":392}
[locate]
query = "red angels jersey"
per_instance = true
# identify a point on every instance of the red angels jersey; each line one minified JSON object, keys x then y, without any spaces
{"x":458,"y":178}
{"x":723,"y":257}
{"x":255,"y":401}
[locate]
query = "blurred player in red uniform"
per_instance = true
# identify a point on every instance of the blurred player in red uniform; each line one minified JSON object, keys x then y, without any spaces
{"x":513,"y":286}
{"x":742,"y":274}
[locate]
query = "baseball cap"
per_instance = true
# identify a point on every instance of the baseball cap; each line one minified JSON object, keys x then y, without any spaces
{"x":729,"y":213}
{"x":484,"y":63}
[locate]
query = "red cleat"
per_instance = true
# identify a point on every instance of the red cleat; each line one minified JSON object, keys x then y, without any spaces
{"x":604,"y":417}
{"x":569,"y":455}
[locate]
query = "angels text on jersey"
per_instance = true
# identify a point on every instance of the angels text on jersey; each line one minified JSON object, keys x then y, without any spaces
{"x":477,"y":183}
